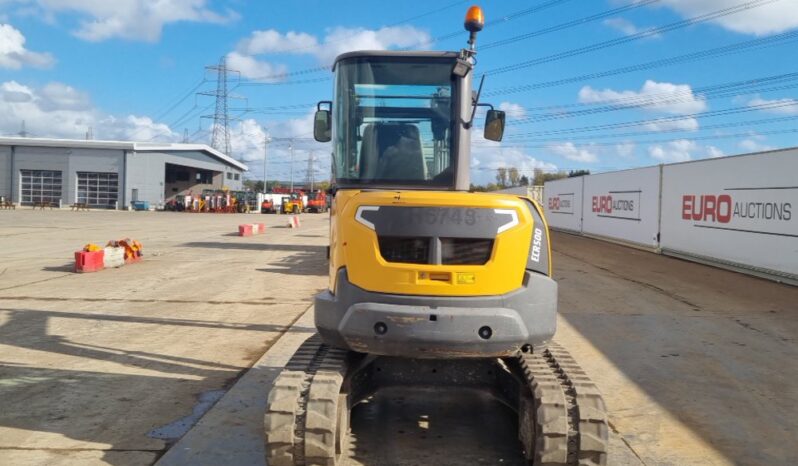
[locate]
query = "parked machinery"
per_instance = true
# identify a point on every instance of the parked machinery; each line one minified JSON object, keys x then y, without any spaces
{"x":430,"y":285}
{"x":317,"y":202}
{"x":268,"y":206}
{"x":293,"y":204}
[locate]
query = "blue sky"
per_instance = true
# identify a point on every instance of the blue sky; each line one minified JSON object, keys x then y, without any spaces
{"x":129,"y":69}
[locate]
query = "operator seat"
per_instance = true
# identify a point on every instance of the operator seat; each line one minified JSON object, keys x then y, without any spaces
{"x":392,"y":151}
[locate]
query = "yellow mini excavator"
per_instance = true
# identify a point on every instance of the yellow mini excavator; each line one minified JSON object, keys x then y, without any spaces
{"x":430,"y":284}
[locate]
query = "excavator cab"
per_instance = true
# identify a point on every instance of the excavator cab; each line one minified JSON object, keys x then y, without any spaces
{"x":419,"y":266}
{"x":429,"y":284}
{"x":401,"y":120}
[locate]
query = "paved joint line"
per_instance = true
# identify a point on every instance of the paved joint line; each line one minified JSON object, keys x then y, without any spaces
{"x":152,"y":301}
{"x":36,"y":282}
{"x":625,"y":442}
{"x":149,"y":450}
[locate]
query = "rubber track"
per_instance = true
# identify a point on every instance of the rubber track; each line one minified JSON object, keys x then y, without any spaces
{"x":570,"y":420}
{"x":295,"y":434}
{"x":591,"y":411}
{"x":566,"y":410}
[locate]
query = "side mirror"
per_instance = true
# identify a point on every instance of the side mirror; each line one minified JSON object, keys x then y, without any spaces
{"x":322,"y":126}
{"x":494,"y":125}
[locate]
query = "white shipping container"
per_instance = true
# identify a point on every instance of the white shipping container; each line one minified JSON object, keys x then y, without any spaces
{"x":623,"y":205}
{"x":740,"y":210}
{"x":562,"y":202}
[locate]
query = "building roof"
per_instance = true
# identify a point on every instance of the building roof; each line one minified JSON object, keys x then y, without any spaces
{"x":122,"y":145}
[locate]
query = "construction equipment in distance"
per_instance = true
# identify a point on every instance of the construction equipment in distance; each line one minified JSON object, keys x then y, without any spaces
{"x":293,"y":204}
{"x":317,"y":202}
{"x":430,"y":285}
{"x":267,"y":206}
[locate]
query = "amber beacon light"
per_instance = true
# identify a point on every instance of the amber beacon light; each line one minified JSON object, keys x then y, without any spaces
{"x":474,"y":20}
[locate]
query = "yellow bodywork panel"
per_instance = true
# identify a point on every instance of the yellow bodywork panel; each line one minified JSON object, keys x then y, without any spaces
{"x":356,"y":247}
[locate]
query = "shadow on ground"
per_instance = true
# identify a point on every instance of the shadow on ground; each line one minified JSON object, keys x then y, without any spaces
{"x":303,"y":263}
{"x":60,"y":268}
{"x":114,"y":408}
{"x":683,"y":333}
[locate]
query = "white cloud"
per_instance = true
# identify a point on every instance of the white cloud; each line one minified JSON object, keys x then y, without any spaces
{"x":247,"y":141}
{"x":780,"y":106}
{"x":340,"y":40}
{"x":337,"y":41}
{"x":686,"y":124}
{"x":272,"y":41}
{"x":59,"y":110}
{"x":252,"y":68}
{"x":59,"y":96}
{"x":713,"y":152}
{"x":625,"y":26}
{"x":572,"y":152}
{"x":129,"y":19}
{"x":132,"y":127}
{"x":487,"y":156}
{"x":770,"y":18}
{"x":674,"y":99}
{"x":674,"y":151}
{"x":625,"y":150}
{"x":14,"y":55}
{"x":753,"y":144}
{"x":513,"y":110}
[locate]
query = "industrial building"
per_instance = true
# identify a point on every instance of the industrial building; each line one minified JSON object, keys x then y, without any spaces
{"x":110,"y":174}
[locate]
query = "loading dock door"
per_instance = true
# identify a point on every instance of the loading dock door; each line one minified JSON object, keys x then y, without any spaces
{"x":40,"y":186}
{"x":98,"y":189}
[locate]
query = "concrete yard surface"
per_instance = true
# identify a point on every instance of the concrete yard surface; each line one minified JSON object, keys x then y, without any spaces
{"x":678,"y":387}
{"x":114,"y":366}
{"x":170,"y":360}
{"x":697,"y":364}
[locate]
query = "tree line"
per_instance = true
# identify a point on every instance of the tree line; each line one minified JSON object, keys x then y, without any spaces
{"x":511,"y":177}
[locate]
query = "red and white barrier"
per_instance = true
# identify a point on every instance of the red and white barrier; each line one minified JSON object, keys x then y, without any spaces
{"x":249,"y":229}
{"x":89,"y":261}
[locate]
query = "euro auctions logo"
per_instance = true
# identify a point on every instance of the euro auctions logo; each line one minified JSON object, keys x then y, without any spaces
{"x":623,"y":205}
{"x":723,"y":208}
{"x":561,"y":203}
{"x":762,"y":211}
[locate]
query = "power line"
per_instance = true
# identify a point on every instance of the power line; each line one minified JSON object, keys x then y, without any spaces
{"x":735,"y":124}
{"x":724,"y":89}
{"x":632,"y":37}
{"x":643,"y":102}
{"x":397,"y":23}
{"x":257,"y":80}
{"x":182,"y":99}
{"x":316,"y":69}
{"x":568,"y":25}
{"x":737,"y":47}
{"x":503,"y":19}
{"x":665,"y":120}
{"x":170,"y":109}
{"x":656,"y":141}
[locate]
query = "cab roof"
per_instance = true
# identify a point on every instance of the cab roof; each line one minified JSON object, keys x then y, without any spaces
{"x":395,"y":54}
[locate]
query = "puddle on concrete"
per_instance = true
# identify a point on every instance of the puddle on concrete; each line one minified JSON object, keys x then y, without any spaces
{"x":176,"y":429}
